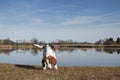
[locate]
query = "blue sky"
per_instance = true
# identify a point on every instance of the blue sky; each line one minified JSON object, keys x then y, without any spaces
{"x":48,"y":20}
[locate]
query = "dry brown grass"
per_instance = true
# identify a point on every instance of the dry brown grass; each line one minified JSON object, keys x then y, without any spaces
{"x":23,"y":72}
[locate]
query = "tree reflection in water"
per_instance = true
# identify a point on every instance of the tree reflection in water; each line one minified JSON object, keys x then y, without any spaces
{"x":35,"y":51}
{"x":109,"y":50}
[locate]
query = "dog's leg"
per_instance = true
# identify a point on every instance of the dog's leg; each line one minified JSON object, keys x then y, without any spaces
{"x":44,"y":67}
{"x":44,"y":64}
{"x":49,"y":64}
{"x":56,"y":67}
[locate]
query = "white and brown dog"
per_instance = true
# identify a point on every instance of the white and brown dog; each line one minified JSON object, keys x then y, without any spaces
{"x":49,"y":58}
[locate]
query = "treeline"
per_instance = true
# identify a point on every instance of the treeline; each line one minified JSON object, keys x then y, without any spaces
{"x":20,"y":42}
{"x":33,"y":41}
{"x":6,"y":42}
{"x":59,"y":42}
{"x":109,"y":41}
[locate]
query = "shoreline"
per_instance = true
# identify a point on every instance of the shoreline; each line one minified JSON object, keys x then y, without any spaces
{"x":30,"y":46}
{"x":35,"y":72}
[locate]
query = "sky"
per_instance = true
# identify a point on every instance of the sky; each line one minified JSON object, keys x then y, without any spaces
{"x":49,"y":20}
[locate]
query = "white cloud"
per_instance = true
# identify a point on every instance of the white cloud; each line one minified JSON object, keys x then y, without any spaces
{"x":91,"y":21}
{"x":81,"y":20}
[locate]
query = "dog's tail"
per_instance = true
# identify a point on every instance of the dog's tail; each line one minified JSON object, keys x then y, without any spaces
{"x":38,"y":46}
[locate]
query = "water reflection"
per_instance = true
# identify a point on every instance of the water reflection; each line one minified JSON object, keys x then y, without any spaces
{"x":6,"y":51}
{"x":108,"y":50}
{"x":64,"y":49}
{"x":36,"y":51}
{"x":33,"y":51}
{"x":65,"y":56}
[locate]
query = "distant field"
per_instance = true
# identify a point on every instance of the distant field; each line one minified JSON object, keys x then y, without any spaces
{"x":25,"y":72}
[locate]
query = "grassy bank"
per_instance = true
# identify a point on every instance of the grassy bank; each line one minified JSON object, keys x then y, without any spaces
{"x":23,"y":72}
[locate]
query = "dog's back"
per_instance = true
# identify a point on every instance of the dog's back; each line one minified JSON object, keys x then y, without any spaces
{"x":49,"y":60}
{"x":49,"y":57}
{"x":49,"y":51}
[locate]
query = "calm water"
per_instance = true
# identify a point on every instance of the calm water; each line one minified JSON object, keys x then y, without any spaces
{"x":77,"y":57}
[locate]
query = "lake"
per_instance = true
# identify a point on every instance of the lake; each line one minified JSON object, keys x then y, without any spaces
{"x":65,"y":57}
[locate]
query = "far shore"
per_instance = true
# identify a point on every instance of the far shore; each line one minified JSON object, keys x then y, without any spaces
{"x":34,"y":72}
{"x":30,"y":46}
